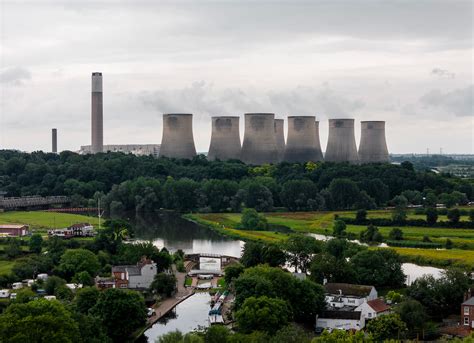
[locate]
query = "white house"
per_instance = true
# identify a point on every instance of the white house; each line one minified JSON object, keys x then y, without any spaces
{"x":140,"y":275}
{"x":339,"y":295}
{"x":340,"y":320}
{"x":373,"y":308}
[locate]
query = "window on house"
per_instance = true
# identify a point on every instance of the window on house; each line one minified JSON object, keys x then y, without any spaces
{"x":466,"y":310}
{"x":466,"y":320}
{"x":370,"y":315}
{"x":351,"y":301}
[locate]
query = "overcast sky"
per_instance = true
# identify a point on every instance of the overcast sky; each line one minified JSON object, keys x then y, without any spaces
{"x":409,"y":63}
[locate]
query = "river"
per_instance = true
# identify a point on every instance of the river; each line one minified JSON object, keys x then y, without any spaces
{"x":171,"y":231}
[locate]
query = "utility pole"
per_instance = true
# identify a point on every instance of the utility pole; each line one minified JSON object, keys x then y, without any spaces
{"x":99,"y":212}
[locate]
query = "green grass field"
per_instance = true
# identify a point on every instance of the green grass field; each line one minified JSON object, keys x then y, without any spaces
{"x":322,"y":222}
{"x":39,"y":220}
{"x":6,"y":266}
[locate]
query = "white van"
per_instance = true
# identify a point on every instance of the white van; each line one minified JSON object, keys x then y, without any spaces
{"x":17,"y":285}
{"x":4,"y":293}
{"x":50,"y":297}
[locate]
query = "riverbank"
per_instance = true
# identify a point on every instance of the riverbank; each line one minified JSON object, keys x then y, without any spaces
{"x":322,"y":222}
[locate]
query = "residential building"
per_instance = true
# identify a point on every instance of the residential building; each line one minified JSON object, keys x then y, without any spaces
{"x":13,"y":230}
{"x":342,"y":319}
{"x":139,"y":276}
{"x":373,"y":308}
{"x":339,"y":295}
{"x":467,"y":313}
{"x":75,"y":230}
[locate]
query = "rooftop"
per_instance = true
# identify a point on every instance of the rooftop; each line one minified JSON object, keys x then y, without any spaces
{"x":348,"y":289}
{"x":469,"y":301}
{"x":12,"y":226}
{"x":378,"y":305}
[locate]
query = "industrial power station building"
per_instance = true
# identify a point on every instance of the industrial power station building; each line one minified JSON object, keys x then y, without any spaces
{"x":263,"y":138}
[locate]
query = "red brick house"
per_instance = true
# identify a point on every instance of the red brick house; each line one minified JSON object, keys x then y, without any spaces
{"x":13,"y":230}
{"x":467,"y":313}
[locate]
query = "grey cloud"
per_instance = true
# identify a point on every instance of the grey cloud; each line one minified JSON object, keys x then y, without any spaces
{"x":202,"y":98}
{"x":443,"y":73}
{"x":458,"y":102}
{"x":15,"y":76}
{"x":320,"y":102}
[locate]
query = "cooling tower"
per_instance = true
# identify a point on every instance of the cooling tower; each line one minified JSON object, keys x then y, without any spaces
{"x":341,"y":142}
{"x":280,"y":138}
{"x":259,"y":144}
{"x":54,"y":136}
{"x":97,"y":125}
{"x":177,"y":140}
{"x":301,"y":140}
{"x":225,"y":139}
{"x":373,"y":146}
{"x":319,"y":152}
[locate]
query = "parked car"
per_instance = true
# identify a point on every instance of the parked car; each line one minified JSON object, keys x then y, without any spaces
{"x":50,"y":297}
{"x":150,"y":312}
{"x":4,"y":293}
{"x":13,"y":296}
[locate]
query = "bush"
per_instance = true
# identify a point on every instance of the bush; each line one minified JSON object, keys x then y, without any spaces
{"x":252,"y":220}
{"x":396,"y":234}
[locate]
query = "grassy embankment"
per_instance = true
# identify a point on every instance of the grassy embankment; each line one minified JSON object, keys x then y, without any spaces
{"x":322,"y":222}
{"x":39,"y":222}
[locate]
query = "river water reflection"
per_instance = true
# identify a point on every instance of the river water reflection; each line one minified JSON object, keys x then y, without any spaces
{"x":166,"y":229}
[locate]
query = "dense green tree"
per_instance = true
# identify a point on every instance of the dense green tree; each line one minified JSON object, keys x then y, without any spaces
{"x":252,"y":254}
{"x":35,"y":243}
{"x":380,"y":268}
{"x":85,"y":299}
{"x":13,"y":249}
{"x":273,"y":255}
{"x":454,"y":215}
{"x":471,"y":215}
{"x":252,"y":220}
{"x":180,"y":194}
{"x":178,"y":337}
{"x":257,"y":196}
{"x":263,"y":314}
{"x":413,"y":314}
{"x":385,"y":327}
{"x":430,"y":200}
{"x":361,"y":215}
{"x":339,"y":228}
{"x":370,"y":235}
{"x":53,"y":284}
{"x":164,"y":284}
{"x":24,"y":295}
{"x":441,"y":296}
{"x":327,"y":267}
{"x":217,"y":334}
{"x":38,"y":321}
{"x":232,"y":272}
{"x":74,"y":261}
{"x":344,"y":193}
{"x":395,"y":234}
{"x":431,"y":215}
{"x":121,"y":312}
{"x":219,"y":193}
{"x":300,"y":249}
{"x":296,"y":195}
{"x":291,"y":334}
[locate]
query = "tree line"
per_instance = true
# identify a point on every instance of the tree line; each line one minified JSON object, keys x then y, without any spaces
{"x":143,"y":183}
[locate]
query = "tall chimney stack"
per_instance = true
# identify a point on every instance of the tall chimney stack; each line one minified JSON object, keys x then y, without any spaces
{"x":54,"y":135}
{"x":97,"y":122}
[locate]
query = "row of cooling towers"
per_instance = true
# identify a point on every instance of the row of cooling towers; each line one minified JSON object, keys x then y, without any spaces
{"x":264,"y":141}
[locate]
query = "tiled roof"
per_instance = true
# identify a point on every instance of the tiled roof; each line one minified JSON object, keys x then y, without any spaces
{"x":12,"y":226}
{"x":469,"y":301}
{"x":134,"y":270}
{"x":348,"y":289}
{"x":378,"y":305}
